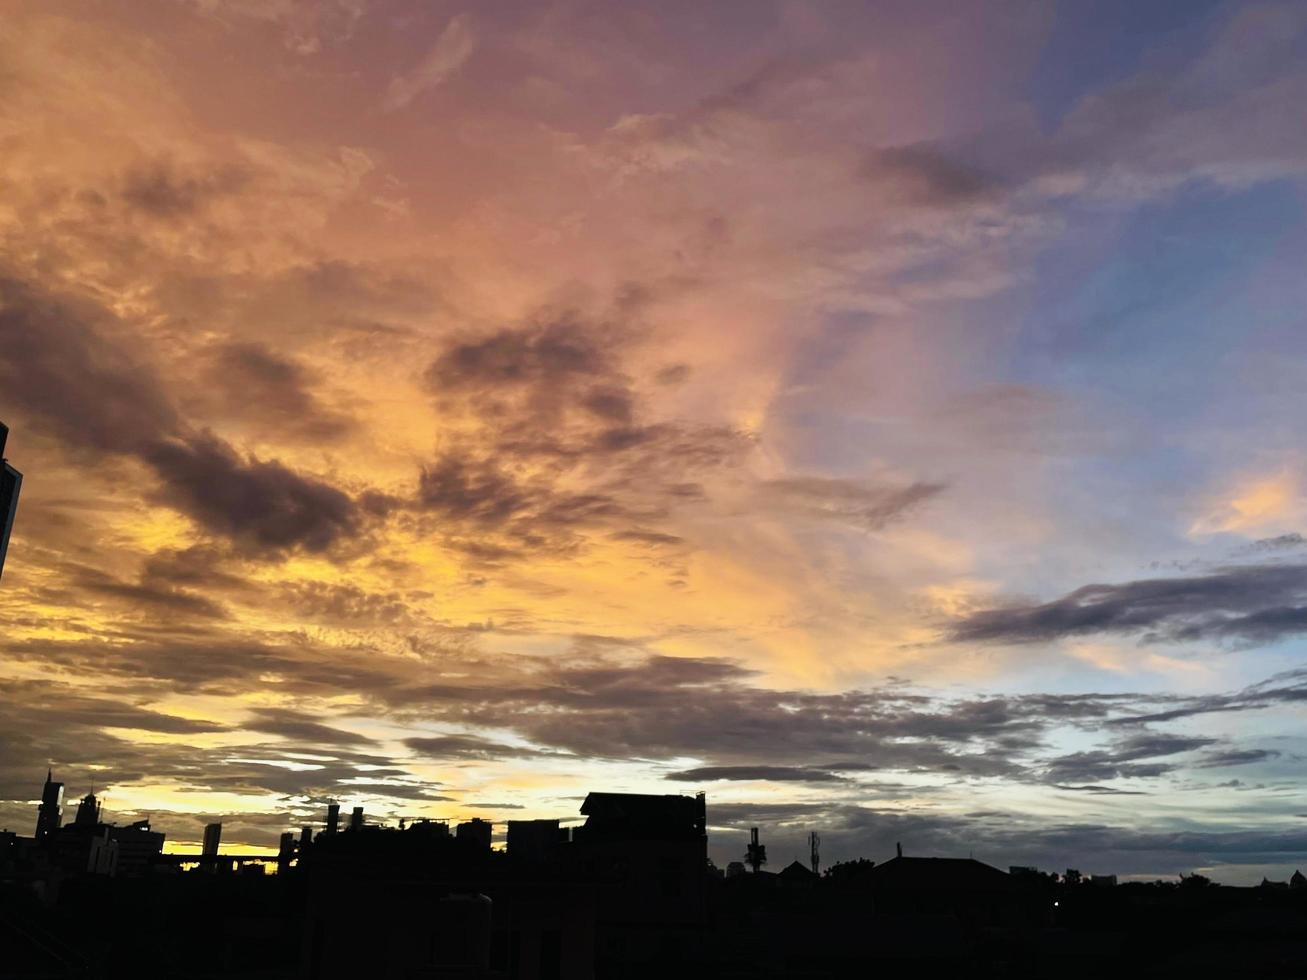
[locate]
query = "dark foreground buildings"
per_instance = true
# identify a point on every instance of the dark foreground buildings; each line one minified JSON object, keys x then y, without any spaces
{"x":11,"y":481}
{"x":628,"y":893}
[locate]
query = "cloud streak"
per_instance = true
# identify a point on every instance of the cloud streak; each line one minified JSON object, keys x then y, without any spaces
{"x":451,"y":51}
{"x":1253,"y":604}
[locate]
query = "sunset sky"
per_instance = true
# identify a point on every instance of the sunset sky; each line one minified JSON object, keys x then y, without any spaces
{"x":887,"y":417}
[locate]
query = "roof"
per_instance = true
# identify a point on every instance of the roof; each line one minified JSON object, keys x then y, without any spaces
{"x":957,"y":874}
{"x":797,"y":871}
{"x":632,"y":815}
{"x":640,"y":805}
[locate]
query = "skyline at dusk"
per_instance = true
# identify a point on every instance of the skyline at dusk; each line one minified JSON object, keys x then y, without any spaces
{"x":886,"y":418}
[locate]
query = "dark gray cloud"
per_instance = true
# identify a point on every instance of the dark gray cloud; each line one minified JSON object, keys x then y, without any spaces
{"x":1245,"y":604}
{"x":772,"y":774}
{"x":211,"y":658}
{"x":652,"y":538}
{"x":463,"y":746}
{"x":347,"y":604}
{"x":852,"y":502}
{"x":560,"y":444}
{"x":604,"y":700}
{"x":660,"y":707}
{"x":1289,"y":687}
{"x":164,"y":190}
{"x":487,"y":512}
{"x":1236,"y":757}
{"x":539,"y":356}
{"x":926,"y":174}
{"x":469,"y":747}
{"x":298,"y":726}
{"x":1122,"y":759}
{"x":149,"y":595}
{"x":62,"y":372}
{"x":261,"y":504}
{"x":256,"y":384}
{"x":47,"y":723}
{"x":71,"y":380}
{"x":1282,"y":542}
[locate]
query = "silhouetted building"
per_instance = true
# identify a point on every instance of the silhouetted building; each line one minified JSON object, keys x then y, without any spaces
{"x":535,"y":840}
{"x":83,"y":849}
{"x":961,"y":888}
{"x":138,"y":847}
{"x":333,"y":817}
{"x":51,"y":808}
{"x":476,"y":832}
{"x":436,"y":906}
{"x":88,"y":811}
{"x":356,"y":819}
{"x":11,"y":481}
{"x":650,"y":857}
{"x":796,"y":874}
{"x":285,"y":852}
{"x":428,"y":829}
{"x":306,"y":836}
{"x":212,"y":839}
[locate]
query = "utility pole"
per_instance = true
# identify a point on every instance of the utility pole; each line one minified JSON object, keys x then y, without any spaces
{"x":756,"y":856}
{"x":11,"y":481}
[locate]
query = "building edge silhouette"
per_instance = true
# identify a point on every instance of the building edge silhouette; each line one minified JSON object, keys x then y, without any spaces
{"x":11,"y":482}
{"x":629,"y":892}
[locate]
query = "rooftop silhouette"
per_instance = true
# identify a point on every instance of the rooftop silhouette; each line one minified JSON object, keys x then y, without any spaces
{"x":11,"y":482}
{"x":629,"y":892}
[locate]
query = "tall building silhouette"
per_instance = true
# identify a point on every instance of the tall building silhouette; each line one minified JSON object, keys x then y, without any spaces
{"x":333,"y":817}
{"x":212,"y":839}
{"x":476,"y":832}
{"x":47,"y":816}
{"x":356,"y":819}
{"x":535,"y":840}
{"x":88,"y":811}
{"x":138,"y":846}
{"x":11,"y":481}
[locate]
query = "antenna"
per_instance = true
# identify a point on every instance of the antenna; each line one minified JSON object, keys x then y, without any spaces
{"x":756,"y":855}
{"x":814,"y":845}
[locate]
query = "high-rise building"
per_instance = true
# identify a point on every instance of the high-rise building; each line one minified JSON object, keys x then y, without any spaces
{"x":356,"y":819}
{"x":212,"y":839}
{"x":88,"y":811}
{"x":47,"y":815}
{"x":535,"y":840}
{"x":476,"y":832}
{"x":285,"y":851}
{"x":138,"y":847}
{"x":11,"y":481}
{"x":333,"y":817}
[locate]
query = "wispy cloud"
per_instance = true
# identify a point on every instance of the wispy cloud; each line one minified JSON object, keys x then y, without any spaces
{"x":450,"y":52}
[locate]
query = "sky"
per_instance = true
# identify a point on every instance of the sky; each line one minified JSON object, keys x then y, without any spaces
{"x":883,"y":417}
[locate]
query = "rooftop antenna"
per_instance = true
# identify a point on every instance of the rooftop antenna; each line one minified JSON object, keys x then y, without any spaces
{"x":814,"y":855}
{"x":756,"y":856}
